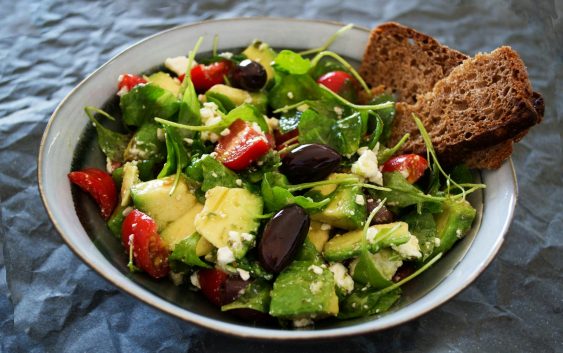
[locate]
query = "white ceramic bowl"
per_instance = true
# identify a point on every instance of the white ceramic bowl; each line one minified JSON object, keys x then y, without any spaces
{"x":76,"y":218}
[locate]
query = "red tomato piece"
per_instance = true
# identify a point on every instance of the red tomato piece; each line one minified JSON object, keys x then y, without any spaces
{"x":211,"y":281}
{"x":411,"y":166}
{"x":206,"y":76}
{"x":99,"y":185}
{"x":128,"y":81}
{"x":335,"y":80}
{"x":149,"y":251}
{"x":242,"y":146}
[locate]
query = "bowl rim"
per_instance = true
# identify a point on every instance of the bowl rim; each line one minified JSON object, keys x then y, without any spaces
{"x":245,"y":331}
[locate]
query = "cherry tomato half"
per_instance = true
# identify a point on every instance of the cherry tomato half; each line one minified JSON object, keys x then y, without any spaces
{"x":211,"y":281}
{"x":339,"y":82}
{"x":99,"y":185}
{"x":242,"y":146}
{"x":206,"y":76}
{"x":149,"y":251}
{"x":411,"y":166}
{"x":128,"y":81}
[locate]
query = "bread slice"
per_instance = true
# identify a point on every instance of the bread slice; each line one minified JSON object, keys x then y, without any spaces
{"x":411,"y":63}
{"x":406,"y":61}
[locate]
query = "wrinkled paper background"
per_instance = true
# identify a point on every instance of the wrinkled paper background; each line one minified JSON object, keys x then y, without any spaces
{"x":51,"y":301}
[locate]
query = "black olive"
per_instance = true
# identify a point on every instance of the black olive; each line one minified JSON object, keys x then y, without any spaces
{"x":282,"y":237}
{"x":382,"y":216}
{"x":311,"y":162}
{"x":249,"y":75}
{"x":232,"y":289}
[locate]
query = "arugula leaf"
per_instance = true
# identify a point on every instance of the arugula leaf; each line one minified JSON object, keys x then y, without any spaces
{"x":276,"y":196}
{"x":112,"y":144}
{"x":256,"y":296}
{"x":290,"y":89}
{"x":350,"y":131}
{"x":185,"y":253}
{"x":189,"y":110}
{"x":145,"y":102}
{"x":292,"y":63}
{"x":403,"y":194}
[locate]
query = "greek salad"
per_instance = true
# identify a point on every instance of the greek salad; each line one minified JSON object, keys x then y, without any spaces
{"x":263,"y":179}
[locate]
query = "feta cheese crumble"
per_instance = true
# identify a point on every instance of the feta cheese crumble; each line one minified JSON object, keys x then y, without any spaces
{"x":194,"y":279}
{"x":409,"y":250}
{"x":178,"y":64}
{"x":366,"y":166}
{"x":316,"y":269}
{"x":341,"y":277}
{"x":360,"y":200}
{"x":302,"y":322}
{"x":316,"y":287}
{"x":225,"y":256}
{"x":245,"y":275}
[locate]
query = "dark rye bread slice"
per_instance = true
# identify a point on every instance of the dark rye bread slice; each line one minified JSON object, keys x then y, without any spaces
{"x":483,"y":102}
{"x":410,"y":63}
{"x":406,"y":61}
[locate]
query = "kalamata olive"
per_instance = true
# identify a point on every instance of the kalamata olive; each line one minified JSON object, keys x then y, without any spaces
{"x":309,"y":162}
{"x":232,"y":289}
{"x":282,"y":237}
{"x":249,"y":75}
{"x":382,"y":216}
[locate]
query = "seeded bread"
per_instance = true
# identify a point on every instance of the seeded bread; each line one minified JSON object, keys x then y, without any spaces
{"x":472,"y":108}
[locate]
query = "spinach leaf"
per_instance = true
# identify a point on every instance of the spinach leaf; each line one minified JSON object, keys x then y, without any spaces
{"x":292,"y":63}
{"x":249,"y":113}
{"x":291,"y":89}
{"x":256,"y":296}
{"x":386,"y":114}
{"x":255,"y":173}
{"x":289,"y":121}
{"x":189,"y":109}
{"x":276,"y":196}
{"x":144,"y":102}
{"x":209,"y":173}
{"x":176,"y":156}
{"x":145,"y":144}
{"x":185,"y":253}
{"x":343,"y":135}
{"x":423,"y":227}
{"x":112,"y":144}
{"x":365,"y":303}
{"x":325,"y":65}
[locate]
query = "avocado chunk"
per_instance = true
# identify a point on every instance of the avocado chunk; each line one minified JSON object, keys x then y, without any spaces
{"x":153,"y":198}
{"x":452,"y":223}
{"x":256,"y":297}
{"x":146,"y":145}
{"x":130,"y":178}
{"x":264,"y":55}
{"x":231,"y":97}
{"x":164,"y":80}
{"x":376,"y":269}
{"x":345,"y":246}
{"x":304,"y":291}
{"x":183,"y":228}
{"x":229,"y":219}
{"x":346,"y":209}
{"x":318,"y":234}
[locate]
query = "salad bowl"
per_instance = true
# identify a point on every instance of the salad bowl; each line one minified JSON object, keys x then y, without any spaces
{"x":69,"y":142}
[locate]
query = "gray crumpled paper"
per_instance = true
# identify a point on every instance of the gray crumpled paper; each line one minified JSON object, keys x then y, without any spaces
{"x":51,"y":301}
